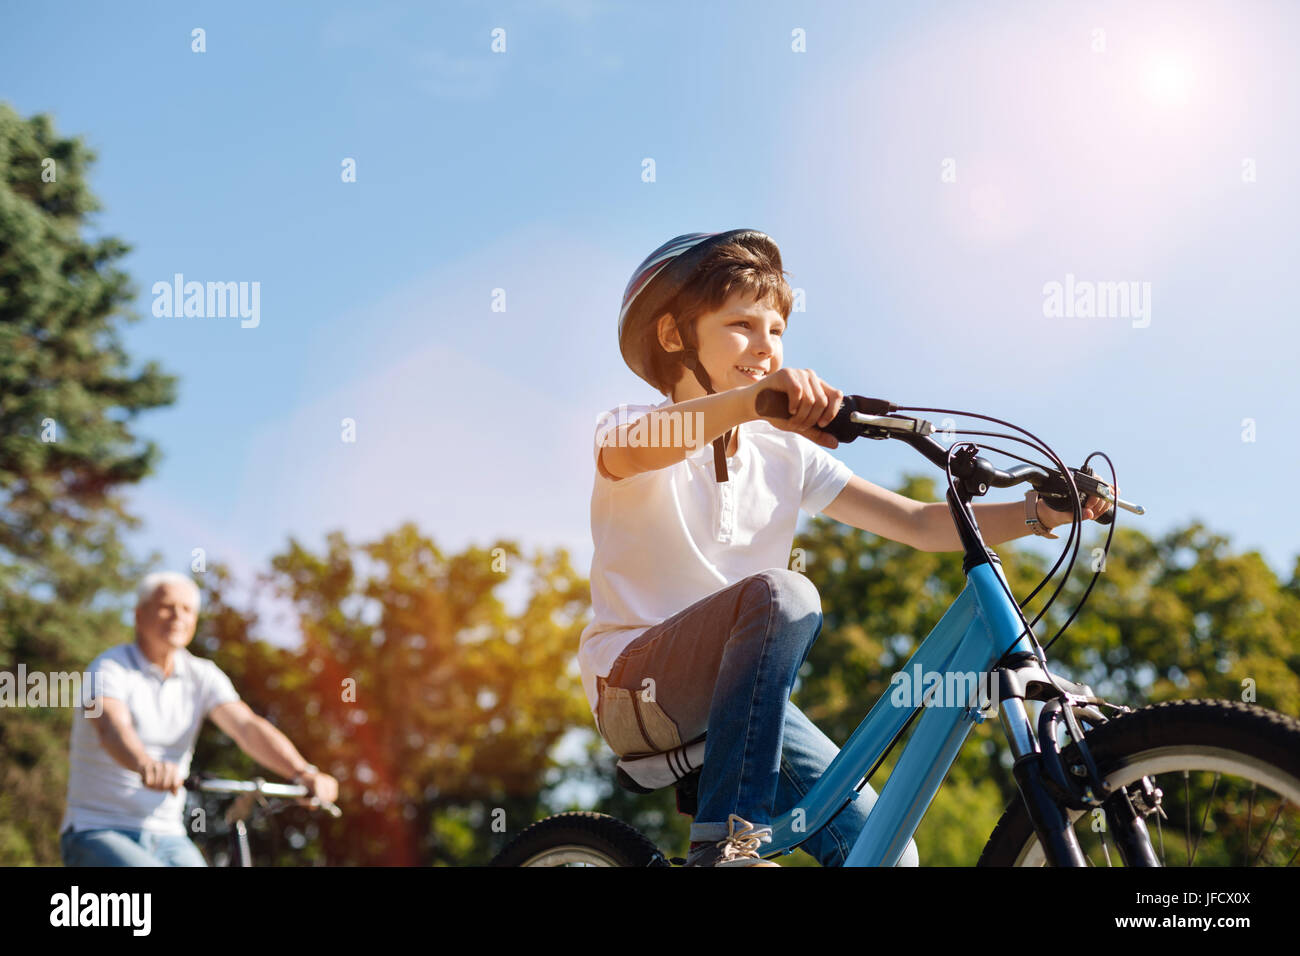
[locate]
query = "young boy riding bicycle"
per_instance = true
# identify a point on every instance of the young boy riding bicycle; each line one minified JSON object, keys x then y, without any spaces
{"x":698,"y":625}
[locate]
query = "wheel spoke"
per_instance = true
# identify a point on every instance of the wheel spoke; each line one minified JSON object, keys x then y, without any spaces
{"x":1160,"y":832}
{"x":1250,"y":818}
{"x":1205,"y":816}
{"x":1187,"y":812}
{"x":1259,"y":855}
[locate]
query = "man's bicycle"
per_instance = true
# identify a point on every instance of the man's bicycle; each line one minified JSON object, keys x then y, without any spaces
{"x":1186,"y":782}
{"x":254,"y":799}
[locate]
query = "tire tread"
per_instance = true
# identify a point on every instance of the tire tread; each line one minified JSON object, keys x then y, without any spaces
{"x":601,"y":832}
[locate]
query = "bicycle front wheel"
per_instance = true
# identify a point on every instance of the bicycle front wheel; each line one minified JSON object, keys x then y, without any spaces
{"x":1229,"y":776}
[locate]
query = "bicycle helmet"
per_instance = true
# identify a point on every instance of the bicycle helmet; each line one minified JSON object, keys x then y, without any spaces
{"x":656,"y":282}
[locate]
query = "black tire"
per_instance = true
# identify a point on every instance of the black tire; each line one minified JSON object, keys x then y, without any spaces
{"x":580,"y":838}
{"x":1170,"y":741}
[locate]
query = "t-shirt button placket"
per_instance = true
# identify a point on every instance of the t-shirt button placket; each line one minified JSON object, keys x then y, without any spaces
{"x":727,"y":517}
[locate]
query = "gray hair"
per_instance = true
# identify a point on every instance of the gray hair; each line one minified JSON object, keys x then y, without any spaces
{"x":150,"y":585}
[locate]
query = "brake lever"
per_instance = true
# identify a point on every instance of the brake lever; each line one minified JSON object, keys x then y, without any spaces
{"x":1056,"y":492}
{"x":316,"y":803}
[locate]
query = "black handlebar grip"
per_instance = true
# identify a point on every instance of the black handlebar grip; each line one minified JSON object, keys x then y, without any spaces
{"x":1060,"y":500}
{"x":772,"y":403}
{"x":1109,"y":516}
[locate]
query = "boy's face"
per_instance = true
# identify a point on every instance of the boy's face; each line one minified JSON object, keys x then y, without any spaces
{"x":742,"y":334}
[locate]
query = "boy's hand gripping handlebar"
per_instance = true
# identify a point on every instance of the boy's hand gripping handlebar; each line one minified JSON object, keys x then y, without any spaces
{"x":861,"y":417}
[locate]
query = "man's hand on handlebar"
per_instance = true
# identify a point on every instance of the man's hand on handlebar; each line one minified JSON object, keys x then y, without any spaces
{"x":160,"y":775}
{"x":321,"y":786}
{"x":812,"y":402}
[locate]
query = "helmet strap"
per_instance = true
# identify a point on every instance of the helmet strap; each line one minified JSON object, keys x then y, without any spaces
{"x":691,"y":359}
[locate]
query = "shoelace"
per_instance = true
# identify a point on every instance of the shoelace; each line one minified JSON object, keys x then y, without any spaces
{"x":740,"y":842}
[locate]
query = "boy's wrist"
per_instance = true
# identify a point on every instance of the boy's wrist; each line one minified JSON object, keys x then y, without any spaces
{"x":730,"y":408}
{"x":745,"y":399}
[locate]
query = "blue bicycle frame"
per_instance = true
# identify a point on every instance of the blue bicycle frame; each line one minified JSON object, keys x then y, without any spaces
{"x":979,"y":628}
{"x":982,"y":633}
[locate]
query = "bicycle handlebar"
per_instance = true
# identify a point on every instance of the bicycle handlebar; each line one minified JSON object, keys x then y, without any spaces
{"x":860,"y":417}
{"x":259,"y":786}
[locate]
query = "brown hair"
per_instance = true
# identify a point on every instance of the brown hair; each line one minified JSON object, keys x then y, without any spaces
{"x":730,"y":268}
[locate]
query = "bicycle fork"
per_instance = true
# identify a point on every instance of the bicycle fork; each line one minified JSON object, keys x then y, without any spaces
{"x":240,"y":855}
{"x":1049,"y":795}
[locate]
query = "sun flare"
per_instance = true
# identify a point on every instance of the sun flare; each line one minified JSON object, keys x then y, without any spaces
{"x":1168,"y":80}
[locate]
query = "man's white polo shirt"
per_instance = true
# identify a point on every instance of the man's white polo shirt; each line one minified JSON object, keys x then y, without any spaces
{"x":167,"y":714}
{"x":667,"y":538}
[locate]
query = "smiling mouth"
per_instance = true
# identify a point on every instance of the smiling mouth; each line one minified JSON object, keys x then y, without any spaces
{"x":750,"y":372}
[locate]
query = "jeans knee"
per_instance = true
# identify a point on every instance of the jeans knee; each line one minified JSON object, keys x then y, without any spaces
{"x":790,"y":594}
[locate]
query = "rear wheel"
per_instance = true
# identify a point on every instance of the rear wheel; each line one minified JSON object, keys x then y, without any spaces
{"x":580,"y":839}
{"x":1228,"y":772}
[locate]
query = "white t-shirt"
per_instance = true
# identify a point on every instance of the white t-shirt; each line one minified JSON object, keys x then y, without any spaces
{"x":667,"y":538}
{"x":167,"y":714}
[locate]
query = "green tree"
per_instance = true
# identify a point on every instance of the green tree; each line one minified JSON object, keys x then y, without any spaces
{"x":66,"y":450}
{"x":436,"y":709}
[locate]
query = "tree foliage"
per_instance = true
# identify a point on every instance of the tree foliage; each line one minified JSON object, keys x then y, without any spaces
{"x":66,"y":451}
{"x":435,"y":708}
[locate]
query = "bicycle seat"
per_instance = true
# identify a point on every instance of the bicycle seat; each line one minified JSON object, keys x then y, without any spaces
{"x":647,"y":773}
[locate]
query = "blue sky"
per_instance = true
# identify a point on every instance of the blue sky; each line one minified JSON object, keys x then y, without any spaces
{"x":926,"y":168}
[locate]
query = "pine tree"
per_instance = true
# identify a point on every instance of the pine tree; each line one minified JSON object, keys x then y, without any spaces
{"x":66,"y":395}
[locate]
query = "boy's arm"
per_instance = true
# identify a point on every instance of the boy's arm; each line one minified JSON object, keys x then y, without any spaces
{"x":709,"y":418}
{"x":665,"y":436}
{"x":886,"y":513}
{"x":926,"y":526}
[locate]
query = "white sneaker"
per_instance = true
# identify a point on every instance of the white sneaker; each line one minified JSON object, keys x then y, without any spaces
{"x":740,"y":848}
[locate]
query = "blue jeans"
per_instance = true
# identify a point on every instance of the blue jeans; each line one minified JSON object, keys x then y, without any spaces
{"x":726,"y":665}
{"x":128,"y":848}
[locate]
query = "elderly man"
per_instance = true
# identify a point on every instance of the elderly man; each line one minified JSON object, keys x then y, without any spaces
{"x":128,"y":766}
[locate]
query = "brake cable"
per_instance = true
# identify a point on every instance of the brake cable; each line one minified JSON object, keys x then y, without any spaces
{"x":1061,"y":557}
{"x":1028,"y":629}
{"x":1110,"y":534}
{"x":1074,"y":539}
{"x":1075,"y":536}
{"x":1071,"y":721}
{"x":1105,"y":551}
